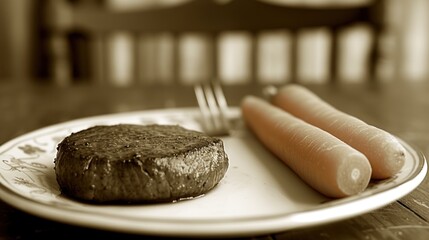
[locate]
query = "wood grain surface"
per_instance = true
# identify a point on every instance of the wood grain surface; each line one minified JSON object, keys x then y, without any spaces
{"x":400,"y":108}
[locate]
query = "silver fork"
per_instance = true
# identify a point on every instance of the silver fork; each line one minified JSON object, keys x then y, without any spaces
{"x":213,"y":107}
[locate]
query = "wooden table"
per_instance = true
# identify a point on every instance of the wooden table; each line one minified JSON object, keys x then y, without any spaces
{"x":400,"y":108}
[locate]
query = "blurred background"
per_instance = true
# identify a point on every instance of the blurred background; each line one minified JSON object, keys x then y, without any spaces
{"x":25,"y":57}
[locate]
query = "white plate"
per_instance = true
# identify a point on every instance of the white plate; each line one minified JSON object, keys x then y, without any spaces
{"x":258,"y":195}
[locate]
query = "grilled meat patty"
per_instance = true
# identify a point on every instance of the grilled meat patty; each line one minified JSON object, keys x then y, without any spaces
{"x":139,"y":163}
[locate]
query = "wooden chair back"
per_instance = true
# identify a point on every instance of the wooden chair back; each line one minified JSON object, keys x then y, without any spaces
{"x":77,"y":35}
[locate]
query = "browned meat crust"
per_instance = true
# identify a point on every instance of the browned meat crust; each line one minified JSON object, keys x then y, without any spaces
{"x":137,"y":163}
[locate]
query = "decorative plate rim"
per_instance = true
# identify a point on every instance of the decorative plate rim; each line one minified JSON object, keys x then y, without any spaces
{"x":244,"y":226}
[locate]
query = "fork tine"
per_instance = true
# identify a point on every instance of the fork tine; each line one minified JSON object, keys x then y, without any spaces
{"x":202,"y":103}
{"x":223,"y":105}
{"x":213,"y":107}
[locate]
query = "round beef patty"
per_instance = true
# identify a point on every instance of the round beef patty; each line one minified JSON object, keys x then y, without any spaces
{"x":139,"y":163}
